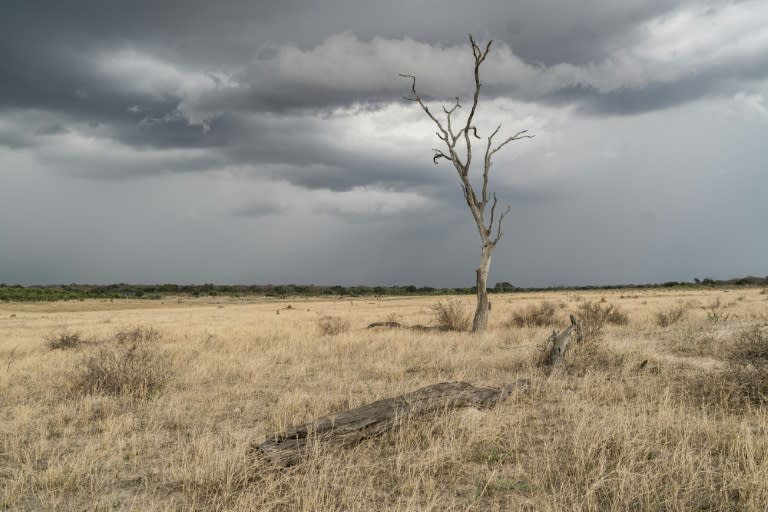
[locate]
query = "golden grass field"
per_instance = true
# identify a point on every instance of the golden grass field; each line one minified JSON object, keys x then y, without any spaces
{"x":610,"y":433}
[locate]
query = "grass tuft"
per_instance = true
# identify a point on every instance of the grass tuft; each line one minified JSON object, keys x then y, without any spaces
{"x":670,"y":316}
{"x":332,"y":325}
{"x":541,"y":315}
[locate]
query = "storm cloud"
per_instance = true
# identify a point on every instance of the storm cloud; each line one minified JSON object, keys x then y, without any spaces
{"x":270,"y":142}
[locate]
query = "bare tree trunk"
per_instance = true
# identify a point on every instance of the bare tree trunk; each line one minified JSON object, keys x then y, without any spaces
{"x":561,"y":341}
{"x":481,"y":312}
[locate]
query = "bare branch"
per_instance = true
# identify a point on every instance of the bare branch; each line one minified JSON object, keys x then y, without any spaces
{"x":479,"y":58}
{"x":499,"y":232}
{"x":448,"y":116}
{"x":418,"y":100}
{"x":519,"y":135}
{"x":493,"y":213}
{"x":449,"y":112}
{"x":439,"y":154}
{"x":487,"y":164}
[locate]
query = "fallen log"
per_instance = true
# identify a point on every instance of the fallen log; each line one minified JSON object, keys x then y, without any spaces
{"x":350,"y":427}
{"x":561,"y":341}
{"x":392,"y":325}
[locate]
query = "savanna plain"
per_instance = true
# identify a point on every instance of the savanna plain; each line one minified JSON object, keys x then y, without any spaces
{"x":154,"y":405}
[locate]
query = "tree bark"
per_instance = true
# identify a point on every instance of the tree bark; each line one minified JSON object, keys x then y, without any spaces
{"x":561,"y":341}
{"x":480,"y":321}
{"x":350,"y":427}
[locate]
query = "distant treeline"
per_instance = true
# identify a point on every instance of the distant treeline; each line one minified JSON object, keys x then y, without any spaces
{"x":158,"y":291}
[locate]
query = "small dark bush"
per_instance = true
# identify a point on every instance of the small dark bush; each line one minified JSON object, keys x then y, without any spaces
{"x":64,"y":340}
{"x":332,"y":325}
{"x":451,"y":316}
{"x":670,"y":316}
{"x":129,"y":365}
{"x":140,"y":335}
{"x":542,"y":315}
{"x":748,"y":361}
{"x":594,"y":317}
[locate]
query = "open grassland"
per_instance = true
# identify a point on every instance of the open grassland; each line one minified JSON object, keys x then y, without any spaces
{"x":149,"y":406}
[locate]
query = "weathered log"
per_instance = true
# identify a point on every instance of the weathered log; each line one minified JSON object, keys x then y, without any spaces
{"x":350,"y":427}
{"x":392,"y":325}
{"x":561,"y":341}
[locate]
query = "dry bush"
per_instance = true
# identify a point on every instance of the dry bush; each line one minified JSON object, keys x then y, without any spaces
{"x":128,"y":365}
{"x":332,"y":325}
{"x":542,"y":315}
{"x":139,"y":334}
{"x":695,"y":340}
{"x":451,"y":316}
{"x":594,"y":317}
{"x":716,"y":311}
{"x":64,"y":340}
{"x":747,"y":361}
{"x":394,"y":317}
{"x":670,"y":316}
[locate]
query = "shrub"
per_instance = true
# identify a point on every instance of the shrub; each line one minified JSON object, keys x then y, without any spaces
{"x":64,"y":340}
{"x":670,"y":316}
{"x":141,"y":335}
{"x":748,"y":361}
{"x":451,"y":316}
{"x":129,"y":365}
{"x":332,"y":325}
{"x":594,"y":317}
{"x":716,"y":311}
{"x":542,"y":315}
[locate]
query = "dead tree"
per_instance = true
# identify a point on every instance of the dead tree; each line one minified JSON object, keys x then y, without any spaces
{"x":455,"y":143}
{"x":347,"y":428}
{"x":561,"y":341}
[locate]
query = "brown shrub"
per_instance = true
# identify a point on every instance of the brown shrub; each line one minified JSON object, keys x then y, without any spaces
{"x":747,"y":361}
{"x":139,"y":334}
{"x":332,"y":325}
{"x":716,"y":311}
{"x":64,"y":340}
{"x":541,"y":315}
{"x":451,"y":316}
{"x":128,"y":365}
{"x":670,"y":316}
{"x":594,"y":317}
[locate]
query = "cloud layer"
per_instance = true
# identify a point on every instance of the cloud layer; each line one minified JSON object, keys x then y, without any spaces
{"x":272,"y":130}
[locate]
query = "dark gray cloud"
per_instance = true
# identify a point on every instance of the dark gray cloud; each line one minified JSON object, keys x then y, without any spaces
{"x":236,"y":138}
{"x":60,"y":59}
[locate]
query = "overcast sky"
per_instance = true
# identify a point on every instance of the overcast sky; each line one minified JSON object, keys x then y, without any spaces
{"x":268,"y":142}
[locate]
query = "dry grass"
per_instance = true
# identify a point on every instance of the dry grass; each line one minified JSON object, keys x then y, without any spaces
{"x":451,"y":315}
{"x":671,"y":315}
{"x":535,"y":315}
{"x":332,"y":325}
{"x":635,"y":425}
